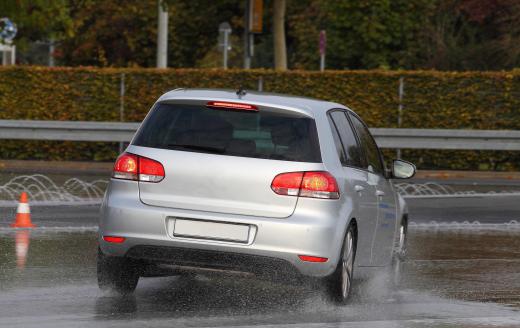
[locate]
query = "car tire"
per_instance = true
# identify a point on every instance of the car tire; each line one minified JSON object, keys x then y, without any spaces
{"x":340,"y":282}
{"x":117,"y":274}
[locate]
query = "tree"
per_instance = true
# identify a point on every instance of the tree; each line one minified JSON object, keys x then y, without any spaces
{"x":280,"y":51}
{"x":38,"y":20}
{"x":472,"y":35}
{"x":194,"y":28}
{"x":360,"y":33}
{"x":305,"y":19}
{"x":123,"y":33}
{"x":111,"y":33}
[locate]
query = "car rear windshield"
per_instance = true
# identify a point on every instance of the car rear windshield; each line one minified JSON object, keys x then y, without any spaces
{"x":262,"y":134}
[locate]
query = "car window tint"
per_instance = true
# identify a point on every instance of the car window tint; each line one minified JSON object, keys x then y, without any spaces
{"x":374,"y":163}
{"x":337,"y":143}
{"x":348,"y":139}
{"x":267,"y":134}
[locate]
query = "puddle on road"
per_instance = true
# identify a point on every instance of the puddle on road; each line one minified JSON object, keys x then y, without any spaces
{"x":449,"y":275}
{"x":22,"y":240}
{"x":38,"y":258}
{"x":470,"y":265}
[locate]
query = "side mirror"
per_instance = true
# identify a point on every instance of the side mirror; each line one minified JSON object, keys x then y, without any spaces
{"x":402,"y":169}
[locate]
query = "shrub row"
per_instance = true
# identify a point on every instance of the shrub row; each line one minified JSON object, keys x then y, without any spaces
{"x":468,"y":100}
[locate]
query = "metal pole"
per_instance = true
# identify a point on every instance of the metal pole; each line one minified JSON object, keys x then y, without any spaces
{"x":400,"y":109}
{"x":323,"y":49}
{"x":260,"y":84}
{"x":51,"y":52}
{"x":122,"y":89}
{"x":247,"y":38}
{"x":226,"y":46}
{"x":162,"y":35}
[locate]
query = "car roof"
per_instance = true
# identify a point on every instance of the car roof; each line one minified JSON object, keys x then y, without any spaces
{"x":307,"y":105}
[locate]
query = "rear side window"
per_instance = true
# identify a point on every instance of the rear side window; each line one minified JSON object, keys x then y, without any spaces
{"x":372,"y":152}
{"x":263,"y":134}
{"x":348,"y":139}
{"x":337,"y":142}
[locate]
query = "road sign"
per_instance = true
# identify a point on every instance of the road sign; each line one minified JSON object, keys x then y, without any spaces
{"x":256,"y":8}
{"x":224,"y":27}
{"x":8,"y":30}
{"x":323,"y":42}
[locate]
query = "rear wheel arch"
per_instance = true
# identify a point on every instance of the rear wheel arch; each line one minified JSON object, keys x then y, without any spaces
{"x":354,"y":224}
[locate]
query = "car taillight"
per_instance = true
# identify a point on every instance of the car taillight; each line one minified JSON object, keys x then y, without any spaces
{"x":150,"y":170}
{"x":319,"y":185}
{"x":316,"y":259}
{"x":287,"y":183}
{"x":126,"y":167}
{"x":314,"y":184}
{"x":133,"y":167}
{"x":114,"y":239}
{"x":232,"y":105}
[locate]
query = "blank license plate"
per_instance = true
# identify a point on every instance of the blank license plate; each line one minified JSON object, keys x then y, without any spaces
{"x":211,"y":230}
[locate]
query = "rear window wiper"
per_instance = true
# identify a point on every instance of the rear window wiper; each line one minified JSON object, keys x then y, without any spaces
{"x":207,"y":149}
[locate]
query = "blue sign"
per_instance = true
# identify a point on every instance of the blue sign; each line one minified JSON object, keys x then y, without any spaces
{"x":8,"y":30}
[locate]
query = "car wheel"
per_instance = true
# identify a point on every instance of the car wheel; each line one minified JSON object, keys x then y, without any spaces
{"x":340,"y":284}
{"x":117,"y":274}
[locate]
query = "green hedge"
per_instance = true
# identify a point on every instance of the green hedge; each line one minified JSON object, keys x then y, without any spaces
{"x":470,"y":100}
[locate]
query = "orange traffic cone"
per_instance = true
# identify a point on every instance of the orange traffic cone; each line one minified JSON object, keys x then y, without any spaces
{"x":23,"y":213}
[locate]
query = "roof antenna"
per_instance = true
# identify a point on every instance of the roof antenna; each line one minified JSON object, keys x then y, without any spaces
{"x":241,"y":92}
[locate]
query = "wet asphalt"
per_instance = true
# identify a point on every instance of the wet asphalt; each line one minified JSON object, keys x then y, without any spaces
{"x":455,"y":276}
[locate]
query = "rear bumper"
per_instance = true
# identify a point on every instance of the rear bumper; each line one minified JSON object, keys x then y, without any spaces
{"x":192,"y":259}
{"x":314,"y":229}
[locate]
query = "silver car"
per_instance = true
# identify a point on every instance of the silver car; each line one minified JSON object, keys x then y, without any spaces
{"x":270,"y":184}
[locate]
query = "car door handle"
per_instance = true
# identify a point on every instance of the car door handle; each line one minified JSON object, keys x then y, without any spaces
{"x":380,"y":193}
{"x":359,"y":188}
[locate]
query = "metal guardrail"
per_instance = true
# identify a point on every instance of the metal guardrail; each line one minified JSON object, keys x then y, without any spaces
{"x":386,"y":138}
{"x":67,"y":130}
{"x":447,"y":139}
